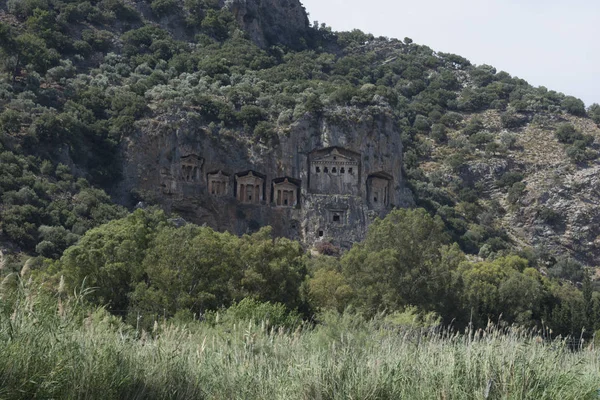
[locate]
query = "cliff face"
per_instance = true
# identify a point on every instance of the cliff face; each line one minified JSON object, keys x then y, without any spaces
{"x":271,"y":21}
{"x":324,"y":180}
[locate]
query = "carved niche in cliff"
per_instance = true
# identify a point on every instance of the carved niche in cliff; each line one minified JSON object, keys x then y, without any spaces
{"x":191,"y":168}
{"x":336,"y":214}
{"x":218,"y":184}
{"x":334,"y":170}
{"x":249,"y":187}
{"x":378,"y":190}
{"x":286,"y":192}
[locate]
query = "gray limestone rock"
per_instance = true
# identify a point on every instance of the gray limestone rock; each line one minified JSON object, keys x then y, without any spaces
{"x":326,"y":178}
{"x":271,"y":22}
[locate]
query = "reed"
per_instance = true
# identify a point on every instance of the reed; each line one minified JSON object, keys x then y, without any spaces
{"x":59,"y":348}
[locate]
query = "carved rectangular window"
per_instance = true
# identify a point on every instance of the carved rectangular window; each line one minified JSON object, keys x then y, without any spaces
{"x":336,"y":218}
{"x":350,"y":170}
{"x":334,"y":170}
{"x":326,"y":170}
{"x":342,"y":170}
{"x":318,"y":169}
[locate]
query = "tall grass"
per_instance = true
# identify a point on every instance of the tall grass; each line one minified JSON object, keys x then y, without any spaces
{"x":58,"y":349}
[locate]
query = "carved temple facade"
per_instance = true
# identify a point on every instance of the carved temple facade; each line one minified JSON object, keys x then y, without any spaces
{"x":331,"y":195}
{"x":331,"y":171}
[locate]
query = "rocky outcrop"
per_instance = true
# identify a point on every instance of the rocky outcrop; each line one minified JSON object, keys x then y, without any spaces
{"x":271,"y":22}
{"x":563,"y":213}
{"x":556,"y":211}
{"x":326,"y":179}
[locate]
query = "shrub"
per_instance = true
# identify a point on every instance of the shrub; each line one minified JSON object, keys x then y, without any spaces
{"x":99,"y":40}
{"x":594,"y":112}
{"x":264,"y":131}
{"x":550,"y":216}
{"x":509,"y":179}
{"x":314,"y":104}
{"x":566,"y":133}
{"x":422,"y":123}
{"x":81,"y":47}
{"x":438,"y":133}
{"x":451,"y":119}
{"x":578,"y":153}
{"x":455,"y":161}
{"x":122,"y":11}
{"x":481,"y":138}
{"x":511,"y":120}
{"x":250,"y":115}
{"x":573,"y":105}
{"x":164,"y":7}
{"x":33,"y":50}
{"x":474,"y":126}
{"x":567,"y":268}
{"x":24,"y":8}
{"x":10,"y":121}
{"x":499,"y":104}
{"x":515,"y":192}
{"x":216,"y":23}
{"x":509,"y":140}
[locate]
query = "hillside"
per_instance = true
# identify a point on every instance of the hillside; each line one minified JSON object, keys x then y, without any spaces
{"x":114,"y":96}
{"x":172,"y":171}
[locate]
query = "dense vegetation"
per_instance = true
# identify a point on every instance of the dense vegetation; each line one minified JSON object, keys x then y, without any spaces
{"x":77,"y":78}
{"x":145,"y":269}
{"x":51,"y":347}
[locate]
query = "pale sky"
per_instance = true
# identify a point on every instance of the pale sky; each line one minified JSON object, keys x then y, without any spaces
{"x":548,"y":43}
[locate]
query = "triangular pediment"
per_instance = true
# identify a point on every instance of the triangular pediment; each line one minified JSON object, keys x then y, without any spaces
{"x":192,"y":159}
{"x":218,"y":175}
{"x":334,"y":155}
{"x":381,"y":175}
{"x":286,"y":185}
{"x":250,"y":176}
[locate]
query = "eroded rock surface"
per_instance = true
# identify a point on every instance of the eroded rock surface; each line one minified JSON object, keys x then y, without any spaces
{"x":321,"y":181}
{"x":271,"y":21}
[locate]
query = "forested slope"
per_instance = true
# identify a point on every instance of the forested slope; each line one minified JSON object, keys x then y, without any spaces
{"x":502,"y":167}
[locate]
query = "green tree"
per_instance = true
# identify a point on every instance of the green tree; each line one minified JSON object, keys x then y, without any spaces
{"x":594,"y":112}
{"x":110,"y":258}
{"x":503,"y":288}
{"x":438,"y":133}
{"x":567,"y":133}
{"x":573,"y":106}
{"x":422,"y":123}
{"x":327,"y":286}
{"x":567,"y":268}
{"x":189,"y":268}
{"x":30,"y":49}
{"x":400,"y":263}
{"x":163,"y":8}
{"x":273,"y":268}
